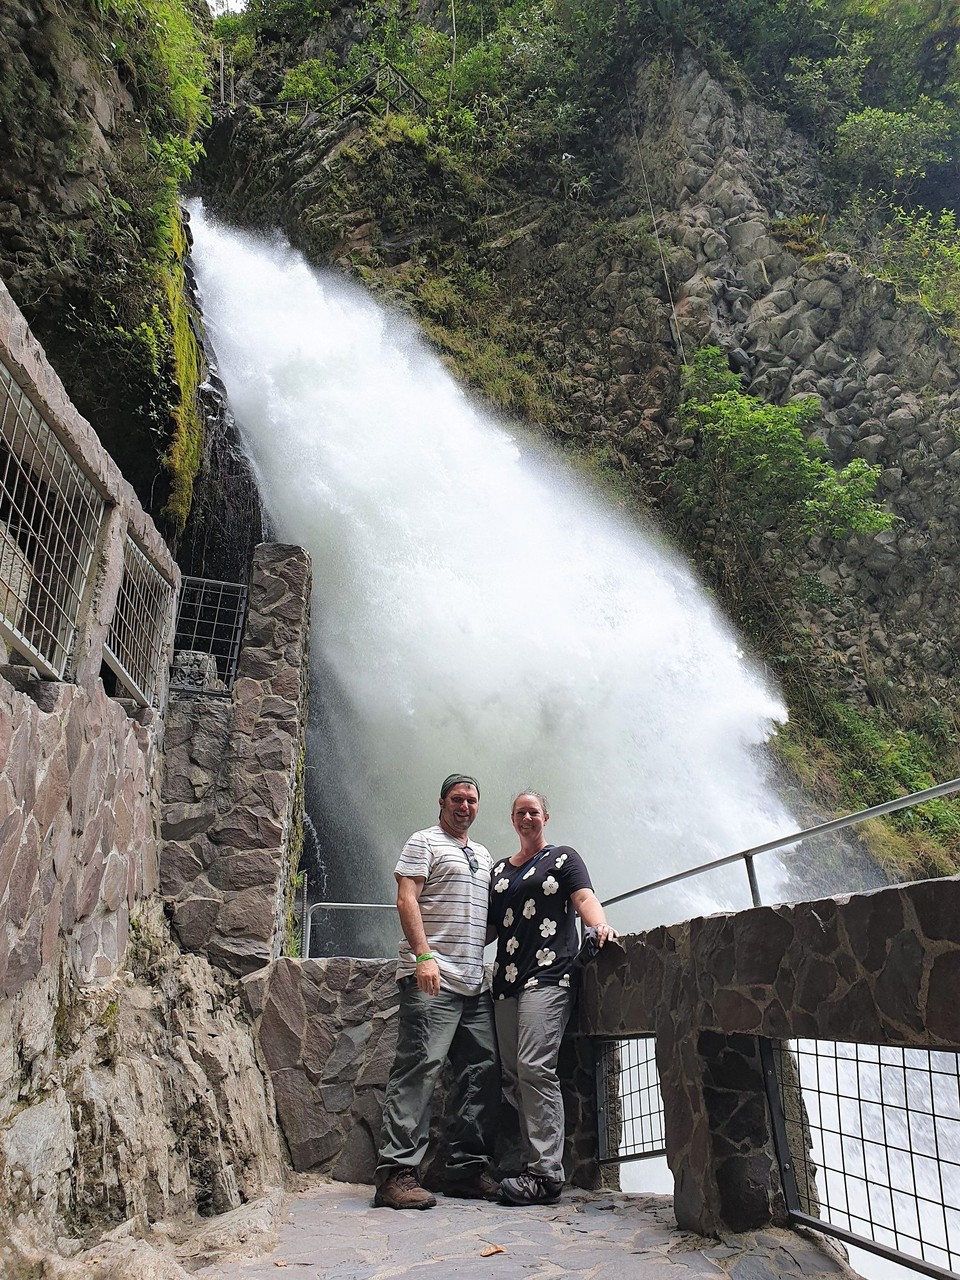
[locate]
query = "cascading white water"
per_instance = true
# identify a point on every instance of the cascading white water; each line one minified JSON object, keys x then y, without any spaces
{"x":478,"y":608}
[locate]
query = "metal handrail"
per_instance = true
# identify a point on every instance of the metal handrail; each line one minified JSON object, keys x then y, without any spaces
{"x":744,"y":855}
{"x":747,"y":855}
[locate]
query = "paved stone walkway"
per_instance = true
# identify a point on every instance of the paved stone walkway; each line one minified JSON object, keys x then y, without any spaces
{"x":331,"y":1231}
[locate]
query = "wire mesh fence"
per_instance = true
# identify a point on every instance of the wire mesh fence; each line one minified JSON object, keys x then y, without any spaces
{"x":629,"y":1104}
{"x":882,"y":1128}
{"x":209,"y":626}
{"x":50,"y":516}
{"x":135,"y":646}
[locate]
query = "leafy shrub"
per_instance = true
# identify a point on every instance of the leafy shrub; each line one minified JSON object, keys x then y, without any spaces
{"x":314,"y":80}
{"x":921,"y":251}
{"x":892,"y":150}
{"x":757,"y":471}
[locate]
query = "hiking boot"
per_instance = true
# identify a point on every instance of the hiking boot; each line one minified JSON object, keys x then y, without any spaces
{"x":528,"y":1188}
{"x":402,"y":1190}
{"x":477,"y":1186}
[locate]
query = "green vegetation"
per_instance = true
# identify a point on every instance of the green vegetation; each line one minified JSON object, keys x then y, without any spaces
{"x":293,"y":927}
{"x":99,"y":277}
{"x":160,"y":51}
{"x":523,"y":88}
{"x":185,"y":452}
{"x":755,"y":470}
{"x":851,"y":758}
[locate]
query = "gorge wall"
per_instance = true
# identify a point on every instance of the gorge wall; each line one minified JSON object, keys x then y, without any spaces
{"x":588,"y":297}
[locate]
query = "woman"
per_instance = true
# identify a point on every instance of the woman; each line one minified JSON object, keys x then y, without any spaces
{"x":534,"y":898}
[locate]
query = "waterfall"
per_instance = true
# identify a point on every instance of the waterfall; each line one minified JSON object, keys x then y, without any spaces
{"x":480,"y":607}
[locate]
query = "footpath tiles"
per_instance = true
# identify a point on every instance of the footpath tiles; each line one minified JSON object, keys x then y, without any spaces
{"x":331,"y":1231}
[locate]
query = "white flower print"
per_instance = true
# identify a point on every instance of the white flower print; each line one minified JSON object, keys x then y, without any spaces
{"x":545,"y":957}
{"x":498,"y":869}
{"x":501,"y":884}
{"x":501,"y":996}
{"x":548,"y":928}
{"x":510,"y":973}
{"x":560,"y":861}
{"x":528,"y":874}
{"x":531,"y":982}
{"x":550,"y":885}
{"x":508,"y":918}
{"x":564,"y":981}
{"x":529,"y":909}
{"x":512,"y":945}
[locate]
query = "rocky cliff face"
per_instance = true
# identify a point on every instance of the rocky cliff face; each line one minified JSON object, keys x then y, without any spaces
{"x":137,"y":1101}
{"x":88,"y":242}
{"x":888,"y":383}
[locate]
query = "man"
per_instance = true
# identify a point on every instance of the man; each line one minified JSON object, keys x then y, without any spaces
{"x":443,"y":884}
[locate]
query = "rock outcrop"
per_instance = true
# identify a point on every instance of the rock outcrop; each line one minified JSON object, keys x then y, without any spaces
{"x":138,"y":1099}
{"x":887,"y":380}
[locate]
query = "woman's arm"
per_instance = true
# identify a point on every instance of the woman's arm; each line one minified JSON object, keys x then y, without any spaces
{"x":590,"y":910}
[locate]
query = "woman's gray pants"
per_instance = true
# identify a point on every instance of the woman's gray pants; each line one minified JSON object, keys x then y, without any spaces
{"x":431,"y":1029}
{"x":530,"y":1027}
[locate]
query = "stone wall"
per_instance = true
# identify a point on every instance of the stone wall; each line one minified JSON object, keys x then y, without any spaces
{"x":232,"y":783}
{"x":129,"y":1086}
{"x":876,"y":968}
{"x":327,"y":1030}
{"x":77,"y":798}
{"x":76,"y":836}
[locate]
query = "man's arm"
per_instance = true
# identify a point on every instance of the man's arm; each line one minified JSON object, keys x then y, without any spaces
{"x":409,"y":889}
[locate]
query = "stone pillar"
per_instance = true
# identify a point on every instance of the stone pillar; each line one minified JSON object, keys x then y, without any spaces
{"x":232,"y":779}
{"x":578,"y":1079}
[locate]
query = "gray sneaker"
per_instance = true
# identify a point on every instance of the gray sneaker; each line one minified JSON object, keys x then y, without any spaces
{"x":528,"y":1188}
{"x":402,"y":1190}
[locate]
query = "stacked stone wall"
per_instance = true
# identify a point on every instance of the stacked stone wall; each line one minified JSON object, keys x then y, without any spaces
{"x":77,"y":847}
{"x":129,"y":1086}
{"x":875,"y":968}
{"x":328,"y":1030}
{"x":232,"y":786}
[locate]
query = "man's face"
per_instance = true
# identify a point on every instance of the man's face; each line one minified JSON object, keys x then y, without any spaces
{"x":458,"y":808}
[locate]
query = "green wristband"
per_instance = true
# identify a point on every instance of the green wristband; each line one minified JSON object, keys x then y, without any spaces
{"x":427,"y":955}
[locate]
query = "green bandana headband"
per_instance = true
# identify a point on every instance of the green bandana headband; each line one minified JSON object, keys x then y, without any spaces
{"x":454,"y":778}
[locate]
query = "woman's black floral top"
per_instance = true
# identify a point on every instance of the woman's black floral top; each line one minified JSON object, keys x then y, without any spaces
{"x":535,"y":921}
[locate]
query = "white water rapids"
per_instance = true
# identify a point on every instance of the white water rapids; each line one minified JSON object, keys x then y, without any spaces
{"x":478,"y":608}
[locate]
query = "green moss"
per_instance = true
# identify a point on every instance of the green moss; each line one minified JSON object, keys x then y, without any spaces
{"x":98,"y":276}
{"x":851,"y":758}
{"x":185,"y":453}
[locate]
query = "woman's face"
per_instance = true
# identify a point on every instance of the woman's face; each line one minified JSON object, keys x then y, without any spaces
{"x":528,"y":817}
